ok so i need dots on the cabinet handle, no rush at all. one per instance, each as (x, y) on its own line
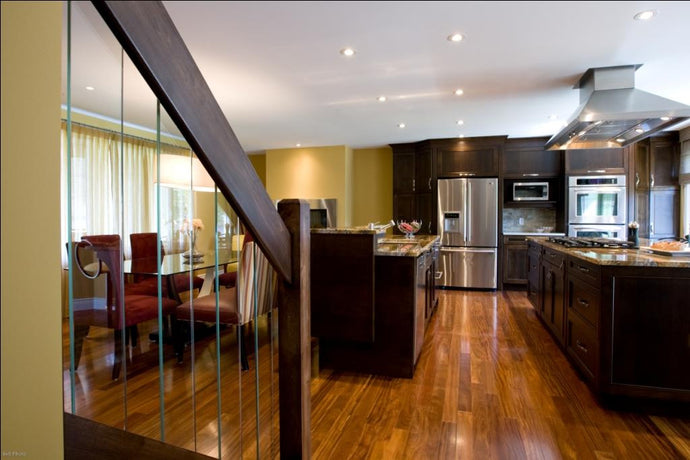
(531, 175)
(583, 269)
(584, 303)
(413, 185)
(599, 171)
(651, 228)
(463, 173)
(581, 346)
(562, 265)
(430, 184)
(651, 180)
(637, 179)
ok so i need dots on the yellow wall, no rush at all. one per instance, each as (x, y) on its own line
(259, 163)
(30, 237)
(373, 186)
(318, 172)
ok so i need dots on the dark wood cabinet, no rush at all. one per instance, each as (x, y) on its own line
(596, 161)
(526, 158)
(534, 274)
(479, 162)
(655, 192)
(552, 292)
(414, 185)
(515, 260)
(403, 169)
(626, 327)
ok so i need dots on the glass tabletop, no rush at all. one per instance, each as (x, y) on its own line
(173, 264)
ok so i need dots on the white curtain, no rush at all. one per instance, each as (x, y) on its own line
(113, 193)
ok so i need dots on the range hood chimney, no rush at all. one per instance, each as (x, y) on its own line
(613, 114)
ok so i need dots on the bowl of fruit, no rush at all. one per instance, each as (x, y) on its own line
(409, 228)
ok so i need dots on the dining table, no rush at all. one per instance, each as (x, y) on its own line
(176, 264)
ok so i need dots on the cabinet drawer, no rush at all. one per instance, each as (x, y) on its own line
(584, 299)
(554, 257)
(587, 272)
(516, 240)
(582, 344)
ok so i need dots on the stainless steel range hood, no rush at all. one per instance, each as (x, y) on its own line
(613, 113)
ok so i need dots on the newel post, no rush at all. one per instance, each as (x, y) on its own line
(294, 330)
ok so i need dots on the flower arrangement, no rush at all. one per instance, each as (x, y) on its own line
(192, 230)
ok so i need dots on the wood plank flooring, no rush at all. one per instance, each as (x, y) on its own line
(490, 383)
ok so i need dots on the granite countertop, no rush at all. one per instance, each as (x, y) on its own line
(619, 257)
(349, 231)
(401, 246)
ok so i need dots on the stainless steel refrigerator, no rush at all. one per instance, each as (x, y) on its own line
(468, 221)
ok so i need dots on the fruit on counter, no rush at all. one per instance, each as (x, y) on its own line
(410, 227)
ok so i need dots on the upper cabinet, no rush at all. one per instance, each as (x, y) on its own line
(477, 156)
(526, 158)
(596, 161)
(403, 168)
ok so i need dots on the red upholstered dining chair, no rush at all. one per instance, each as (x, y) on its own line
(255, 289)
(122, 309)
(144, 246)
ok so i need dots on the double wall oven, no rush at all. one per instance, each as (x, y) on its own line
(597, 206)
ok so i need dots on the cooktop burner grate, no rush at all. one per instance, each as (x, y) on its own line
(579, 242)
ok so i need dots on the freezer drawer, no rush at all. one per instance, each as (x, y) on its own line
(468, 267)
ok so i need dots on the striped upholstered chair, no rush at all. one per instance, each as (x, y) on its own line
(255, 289)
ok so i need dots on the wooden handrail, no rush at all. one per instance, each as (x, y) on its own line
(151, 40)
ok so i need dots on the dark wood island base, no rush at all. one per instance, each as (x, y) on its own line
(622, 317)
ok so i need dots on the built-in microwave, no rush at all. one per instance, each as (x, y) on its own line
(530, 191)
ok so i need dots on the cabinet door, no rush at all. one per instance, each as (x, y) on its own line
(423, 171)
(533, 274)
(553, 289)
(525, 158)
(426, 211)
(404, 207)
(403, 172)
(515, 262)
(478, 162)
(596, 161)
(664, 163)
(641, 166)
(664, 208)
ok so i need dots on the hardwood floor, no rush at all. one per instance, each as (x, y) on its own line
(490, 383)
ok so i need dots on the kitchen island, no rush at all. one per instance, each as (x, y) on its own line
(372, 296)
(622, 316)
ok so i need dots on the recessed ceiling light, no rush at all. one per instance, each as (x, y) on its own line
(665, 118)
(381, 98)
(645, 15)
(347, 52)
(553, 117)
(401, 125)
(456, 38)
(639, 130)
(460, 122)
(459, 92)
(298, 145)
(461, 136)
(89, 88)
(620, 139)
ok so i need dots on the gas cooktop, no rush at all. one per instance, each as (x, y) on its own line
(580, 242)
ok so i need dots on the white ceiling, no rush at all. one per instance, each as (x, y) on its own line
(276, 70)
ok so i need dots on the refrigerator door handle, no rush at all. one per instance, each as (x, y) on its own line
(455, 249)
(468, 206)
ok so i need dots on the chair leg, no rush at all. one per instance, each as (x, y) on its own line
(79, 333)
(117, 361)
(178, 335)
(243, 349)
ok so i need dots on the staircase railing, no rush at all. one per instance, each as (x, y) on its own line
(148, 35)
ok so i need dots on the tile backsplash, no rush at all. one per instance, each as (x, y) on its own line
(528, 219)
